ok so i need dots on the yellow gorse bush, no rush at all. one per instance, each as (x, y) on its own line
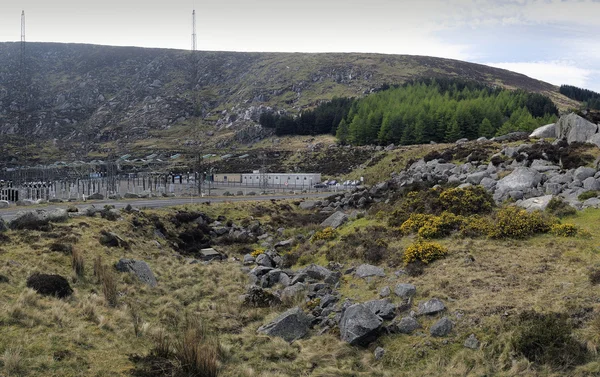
(257, 252)
(326, 234)
(423, 251)
(564, 230)
(513, 222)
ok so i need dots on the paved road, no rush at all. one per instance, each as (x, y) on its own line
(9, 213)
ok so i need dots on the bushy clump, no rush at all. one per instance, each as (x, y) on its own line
(546, 339)
(425, 201)
(425, 252)
(594, 276)
(475, 226)
(467, 201)
(588, 195)
(559, 208)
(326, 234)
(257, 252)
(368, 244)
(430, 226)
(513, 222)
(564, 230)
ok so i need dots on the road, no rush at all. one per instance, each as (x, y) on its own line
(9, 213)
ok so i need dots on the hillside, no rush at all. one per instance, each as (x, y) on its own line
(118, 99)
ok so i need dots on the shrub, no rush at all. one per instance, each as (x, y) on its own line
(587, 195)
(467, 201)
(414, 202)
(559, 208)
(376, 252)
(564, 230)
(425, 252)
(429, 226)
(513, 222)
(326, 234)
(108, 281)
(257, 252)
(197, 350)
(546, 339)
(49, 285)
(475, 226)
(415, 222)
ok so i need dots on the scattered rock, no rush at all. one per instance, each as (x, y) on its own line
(384, 292)
(405, 290)
(210, 254)
(366, 270)
(544, 132)
(405, 326)
(293, 291)
(441, 327)
(112, 240)
(383, 308)
(291, 325)
(50, 285)
(39, 219)
(379, 353)
(96, 196)
(139, 268)
(536, 204)
(359, 325)
(335, 220)
(432, 306)
(472, 342)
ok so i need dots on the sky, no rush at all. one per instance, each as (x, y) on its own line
(557, 41)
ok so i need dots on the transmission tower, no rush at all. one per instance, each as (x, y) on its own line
(194, 40)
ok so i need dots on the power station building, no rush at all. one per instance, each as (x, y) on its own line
(292, 180)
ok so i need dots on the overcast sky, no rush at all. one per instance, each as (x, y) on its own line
(553, 40)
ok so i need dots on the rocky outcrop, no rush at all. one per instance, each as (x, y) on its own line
(574, 128)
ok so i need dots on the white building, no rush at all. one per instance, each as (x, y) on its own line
(292, 180)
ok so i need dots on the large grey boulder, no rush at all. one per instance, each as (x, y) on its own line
(591, 183)
(291, 325)
(521, 179)
(139, 268)
(293, 292)
(4, 204)
(308, 204)
(34, 220)
(432, 306)
(582, 173)
(367, 270)
(544, 132)
(317, 272)
(405, 291)
(383, 308)
(536, 204)
(335, 220)
(574, 128)
(477, 177)
(594, 139)
(441, 327)
(359, 325)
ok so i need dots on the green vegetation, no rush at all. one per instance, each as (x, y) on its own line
(444, 110)
(589, 98)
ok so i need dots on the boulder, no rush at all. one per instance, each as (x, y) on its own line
(260, 298)
(477, 177)
(3, 226)
(432, 306)
(405, 290)
(4, 204)
(521, 179)
(574, 128)
(139, 268)
(359, 325)
(96, 196)
(582, 173)
(405, 326)
(385, 292)
(594, 139)
(264, 260)
(366, 270)
(544, 132)
(536, 204)
(335, 220)
(383, 308)
(39, 219)
(130, 195)
(210, 254)
(111, 239)
(291, 325)
(543, 166)
(293, 291)
(441, 327)
(49, 285)
(317, 272)
(379, 353)
(591, 183)
(249, 259)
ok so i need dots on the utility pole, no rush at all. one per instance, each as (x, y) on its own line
(23, 90)
(194, 40)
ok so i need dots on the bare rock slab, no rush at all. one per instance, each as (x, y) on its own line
(335, 220)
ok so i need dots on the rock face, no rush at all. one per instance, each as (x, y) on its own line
(50, 285)
(291, 325)
(574, 128)
(335, 220)
(543, 132)
(358, 325)
(139, 268)
(441, 327)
